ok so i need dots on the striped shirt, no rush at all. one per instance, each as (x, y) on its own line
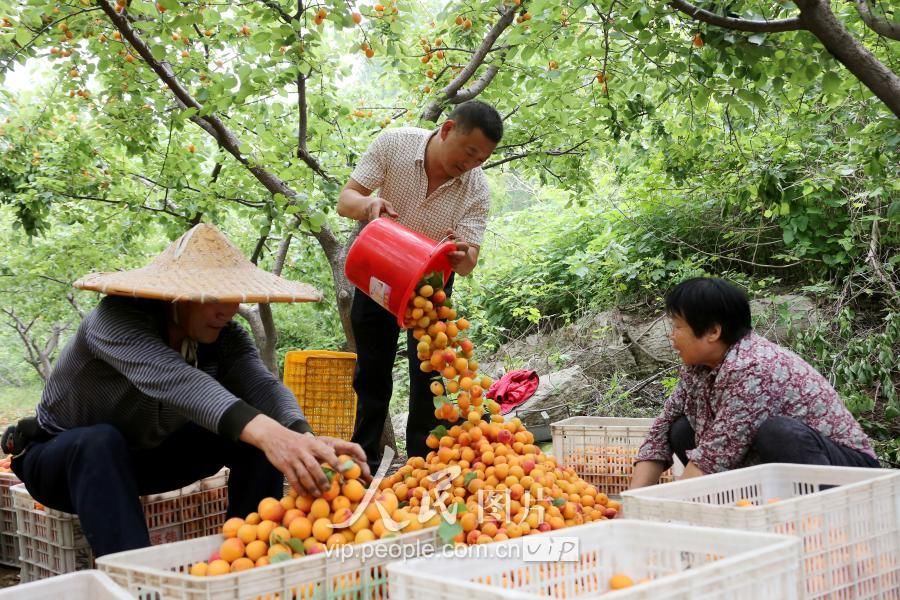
(395, 165)
(118, 369)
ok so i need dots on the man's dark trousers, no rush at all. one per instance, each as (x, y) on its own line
(92, 472)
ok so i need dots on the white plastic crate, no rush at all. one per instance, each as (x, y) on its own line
(9, 539)
(162, 571)
(195, 510)
(49, 539)
(850, 534)
(51, 542)
(666, 562)
(602, 450)
(83, 585)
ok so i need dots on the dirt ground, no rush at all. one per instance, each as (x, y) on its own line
(8, 576)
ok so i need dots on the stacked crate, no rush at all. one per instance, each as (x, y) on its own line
(51, 542)
(602, 450)
(848, 519)
(9, 539)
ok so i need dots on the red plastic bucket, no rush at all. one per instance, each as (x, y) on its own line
(387, 260)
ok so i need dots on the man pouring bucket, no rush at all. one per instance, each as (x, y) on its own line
(431, 182)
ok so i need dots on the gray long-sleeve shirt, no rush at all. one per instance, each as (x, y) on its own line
(118, 369)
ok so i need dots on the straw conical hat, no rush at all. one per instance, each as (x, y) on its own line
(203, 266)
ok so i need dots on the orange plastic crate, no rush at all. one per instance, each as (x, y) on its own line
(322, 382)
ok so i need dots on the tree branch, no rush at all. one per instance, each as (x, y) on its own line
(214, 176)
(283, 248)
(49, 25)
(277, 10)
(107, 201)
(507, 159)
(821, 22)
(699, 14)
(449, 93)
(880, 26)
(817, 18)
(261, 244)
(210, 123)
(873, 260)
(476, 88)
(303, 129)
(71, 298)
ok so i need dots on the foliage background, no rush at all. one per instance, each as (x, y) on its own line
(634, 157)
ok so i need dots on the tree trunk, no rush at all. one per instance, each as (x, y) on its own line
(344, 291)
(39, 356)
(262, 325)
(388, 438)
(336, 253)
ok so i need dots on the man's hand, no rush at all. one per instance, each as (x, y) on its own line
(379, 207)
(464, 258)
(354, 451)
(356, 202)
(298, 455)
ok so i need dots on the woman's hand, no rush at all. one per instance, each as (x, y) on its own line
(352, 450)
(298, 455)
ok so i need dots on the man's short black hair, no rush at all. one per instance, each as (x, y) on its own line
(475, 113)
(706, 301)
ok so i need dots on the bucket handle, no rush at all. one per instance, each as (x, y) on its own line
(441, 241)
(438, 245)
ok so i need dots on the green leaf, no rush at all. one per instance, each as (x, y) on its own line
(469, 477)
(439, 431)
(447, 531)
(23, 36)
(329, 472)
(831, 82)
(187, 113)
(559, 501)
(435, 279)
(296, 545)
(893, 213)
(279, 558)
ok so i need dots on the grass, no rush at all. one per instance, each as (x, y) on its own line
(18, 402)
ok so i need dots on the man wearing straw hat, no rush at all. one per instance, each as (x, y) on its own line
(431, 182)
(159, 388)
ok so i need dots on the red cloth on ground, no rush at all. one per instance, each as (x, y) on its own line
(514, 388)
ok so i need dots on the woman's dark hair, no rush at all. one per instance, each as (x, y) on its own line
(477, 114)
(706, 301)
